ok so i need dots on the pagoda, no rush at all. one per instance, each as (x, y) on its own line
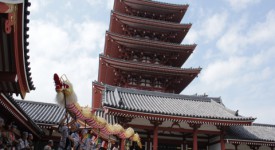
(140, 80)
(143, 50)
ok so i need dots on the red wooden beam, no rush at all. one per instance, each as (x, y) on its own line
(173, 129)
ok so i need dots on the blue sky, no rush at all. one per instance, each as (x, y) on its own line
(236, 49)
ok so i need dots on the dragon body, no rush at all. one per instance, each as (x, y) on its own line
(65, 96)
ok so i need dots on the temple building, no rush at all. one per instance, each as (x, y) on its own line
(15, 75)
(140, 80)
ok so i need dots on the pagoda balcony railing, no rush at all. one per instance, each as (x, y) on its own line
(144, 81)
(144, 56)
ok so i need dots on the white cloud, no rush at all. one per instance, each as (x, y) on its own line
(36, 5)
(240, 36)
(90, 36)
(263, 32)
(108, 4)
(56, 49)
(214, 25)
(241, 4)
(221, 74)
(210, 28)
(48, 40)
(233, 41)
(191, 37)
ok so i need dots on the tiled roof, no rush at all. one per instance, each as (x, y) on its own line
(48, 113)
(17, 106)
(168, 104)
(256, 132)
(109, 118)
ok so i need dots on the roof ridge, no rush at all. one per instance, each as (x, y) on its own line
(264, 125)
(35, 102)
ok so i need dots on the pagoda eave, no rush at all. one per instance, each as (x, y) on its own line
(155, 44)
(116, 45)
(116, 72)
(122, 24)
(150, 67)
(178, 11)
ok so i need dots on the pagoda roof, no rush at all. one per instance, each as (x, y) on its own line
(256, 134)
(157, 7)
(15, 75)
(141, 44)
(148, 67)
(152, 43)
(184, 76)
(152, 25)
(167, 106)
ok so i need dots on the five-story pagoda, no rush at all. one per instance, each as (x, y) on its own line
(143, 50)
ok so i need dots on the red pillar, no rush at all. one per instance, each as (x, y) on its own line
(156, 137)
(195, 139)
(195, 134)
(272, 147)
(222, 141)
(122, 144)
(236, 146)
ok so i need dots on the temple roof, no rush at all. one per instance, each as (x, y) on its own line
(256, 132)
(45, 113)
(169, 104)
(14, 69)
(10, 107)
(52, 114)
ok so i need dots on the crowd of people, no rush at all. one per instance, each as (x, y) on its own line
(72, 137)
(8, 140)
